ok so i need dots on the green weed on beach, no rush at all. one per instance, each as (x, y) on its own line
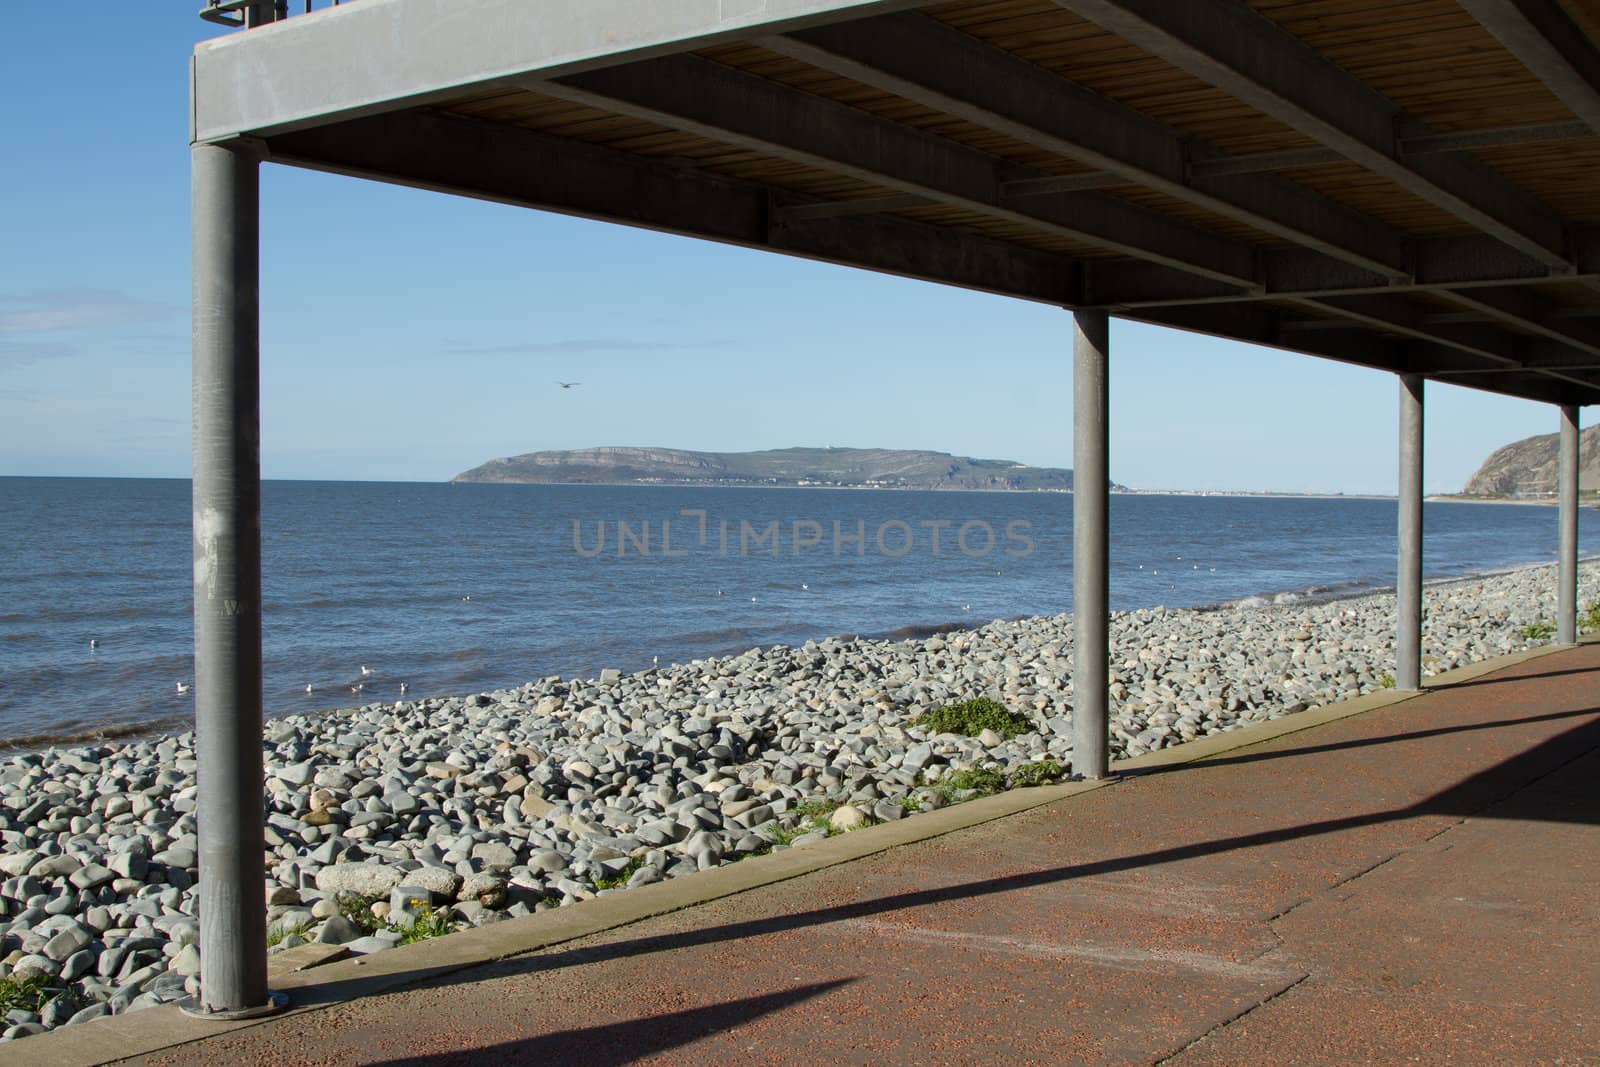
(358, 909)
(980, 781)
(25, 994)
(429, 923)
(277, 932)
(1043, 772)
(620, 879)
(971, 717)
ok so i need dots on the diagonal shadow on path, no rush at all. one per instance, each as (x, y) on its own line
(616, 1044)
(1475, 795)
(1502, 678)
(1249, 756)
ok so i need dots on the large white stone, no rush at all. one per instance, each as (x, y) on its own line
(366, 879)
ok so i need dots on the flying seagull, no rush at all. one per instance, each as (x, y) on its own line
(568, 385)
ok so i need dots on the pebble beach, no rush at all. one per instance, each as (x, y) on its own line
(390, 821)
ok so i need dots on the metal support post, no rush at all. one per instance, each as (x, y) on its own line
(1091, 479)
(1408, 586)
(1567, 599)
(227, 582)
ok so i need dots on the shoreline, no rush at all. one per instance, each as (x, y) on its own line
(528, 798)
(1265, 600)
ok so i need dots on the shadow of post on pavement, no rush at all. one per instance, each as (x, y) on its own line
(1471, 796)
(616, 1044)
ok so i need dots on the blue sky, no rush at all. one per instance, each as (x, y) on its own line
(409, 336)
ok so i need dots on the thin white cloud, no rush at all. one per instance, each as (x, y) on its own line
(77, 309)
(21, 353)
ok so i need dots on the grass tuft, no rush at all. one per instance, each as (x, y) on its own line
(1537, 631)
(983, 781)
(816, 810)
(278, 931)
(620, 879)
(27, 994)
(971, 717)
(358, 909)
(785, 835)
(429, 923)
(1041, 773)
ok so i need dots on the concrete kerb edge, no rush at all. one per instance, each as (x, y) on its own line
(155, 1029)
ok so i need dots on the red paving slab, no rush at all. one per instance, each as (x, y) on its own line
(1412, 885)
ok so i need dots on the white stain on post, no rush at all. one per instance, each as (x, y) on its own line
(210, 524)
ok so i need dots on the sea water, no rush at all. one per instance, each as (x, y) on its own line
(463, 588)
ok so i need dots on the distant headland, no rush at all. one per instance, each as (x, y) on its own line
(824, 468)
(1525, 471)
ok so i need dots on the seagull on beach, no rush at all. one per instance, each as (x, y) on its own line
(183, 687)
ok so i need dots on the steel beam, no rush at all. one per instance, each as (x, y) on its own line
(732, 107)
(227, 581)
(1458, 262)
(1396, 313)
(1223, 166)
(922, 60)
(1485, 340)
(1091, 541)
(384, 55)
(447, 153)
(1493, 137)
(1419, 145)
(1567, 487)
(867, 205)
(1408, 585)
(1362, 346)
(1553, 48)
(1227, 45)
(1525, 311)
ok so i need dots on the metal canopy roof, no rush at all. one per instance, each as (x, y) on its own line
(1411, 185)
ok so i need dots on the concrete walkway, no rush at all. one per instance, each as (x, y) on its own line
(1419, 883)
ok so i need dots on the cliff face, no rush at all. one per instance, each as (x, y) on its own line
(1527, 468)
(848, 467)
